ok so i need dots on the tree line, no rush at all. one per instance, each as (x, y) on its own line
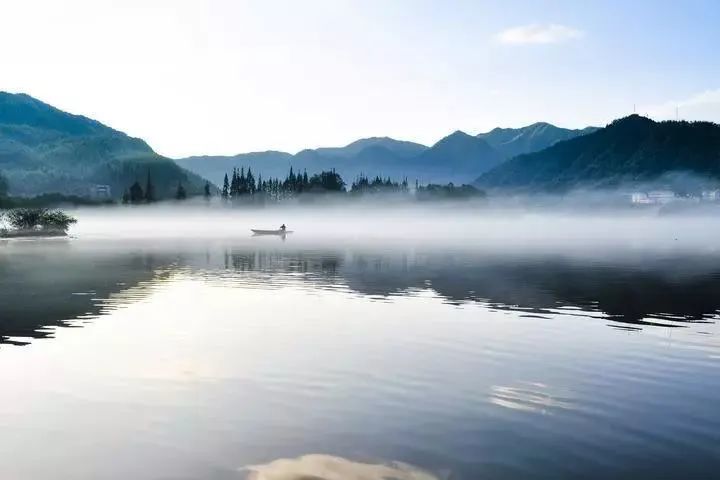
(135, 194)
(3, 185)
(241, 183)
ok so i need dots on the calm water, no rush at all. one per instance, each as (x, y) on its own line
(216, 359)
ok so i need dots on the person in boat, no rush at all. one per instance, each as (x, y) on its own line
(283, 227)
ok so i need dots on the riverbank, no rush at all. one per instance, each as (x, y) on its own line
(32, 233)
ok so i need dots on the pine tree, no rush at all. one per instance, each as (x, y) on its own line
(225, 188)
(3, 185)
(180, 194)
(251, 187)
(126, 197)
(241, 182)
(136, 193)
(290, 182)
(206, 191)
(149, 190)
(234, 184)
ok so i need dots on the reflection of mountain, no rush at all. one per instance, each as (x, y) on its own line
(630, 293)
(52, 284)
(647, 292)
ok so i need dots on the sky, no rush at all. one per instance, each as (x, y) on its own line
(232, 76)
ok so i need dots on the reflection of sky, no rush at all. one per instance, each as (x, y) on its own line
(529, 396)
(327, 467)
(202, 369)
(48, 284)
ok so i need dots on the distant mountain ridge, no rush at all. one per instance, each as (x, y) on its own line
(400, 148)
(630, 150)
(458, 158)
(532, 138)
(44, 149)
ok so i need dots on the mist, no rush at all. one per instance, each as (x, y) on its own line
(512, 224)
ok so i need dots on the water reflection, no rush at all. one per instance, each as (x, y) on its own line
(212, 355)
(43, 286)
(327, 467)
(529, 397)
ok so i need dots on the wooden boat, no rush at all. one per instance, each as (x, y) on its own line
(270, 232)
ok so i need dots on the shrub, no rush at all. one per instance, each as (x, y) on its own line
(25, 218)
(39, 218)
(56, 220)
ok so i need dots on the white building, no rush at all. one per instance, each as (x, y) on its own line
(711, 195)
(100, 191)
(653, 197)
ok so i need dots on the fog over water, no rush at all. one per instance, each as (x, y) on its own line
(456, 341)
(464, 225)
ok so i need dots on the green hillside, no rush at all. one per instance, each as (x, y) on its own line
(630, 150)
(43, 149)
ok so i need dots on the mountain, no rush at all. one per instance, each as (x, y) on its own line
(533, 138)
(399, 148)
(214, 168)
(630, 150)
(376, 155)
(43, 149)
(457, 158)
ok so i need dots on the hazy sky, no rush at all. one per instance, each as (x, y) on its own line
(228, 76)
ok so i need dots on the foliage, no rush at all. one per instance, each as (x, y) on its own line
(448, 192)
(50, 200)
(327, 182)
(243, 185)
(149, 189)
(47, 150)
(3, 185)
(27, 219)
(180, 194)
(634, 149)
(136, 194)
(226, 188)
(363, 185)
(56, 220)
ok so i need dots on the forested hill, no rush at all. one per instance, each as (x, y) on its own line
(630, 150)
(43, 149)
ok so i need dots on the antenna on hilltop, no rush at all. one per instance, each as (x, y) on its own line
(634, 109)
(677, 113)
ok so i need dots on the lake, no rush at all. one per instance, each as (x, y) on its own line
(165, 355)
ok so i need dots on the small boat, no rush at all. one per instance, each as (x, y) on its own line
(270, 232)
